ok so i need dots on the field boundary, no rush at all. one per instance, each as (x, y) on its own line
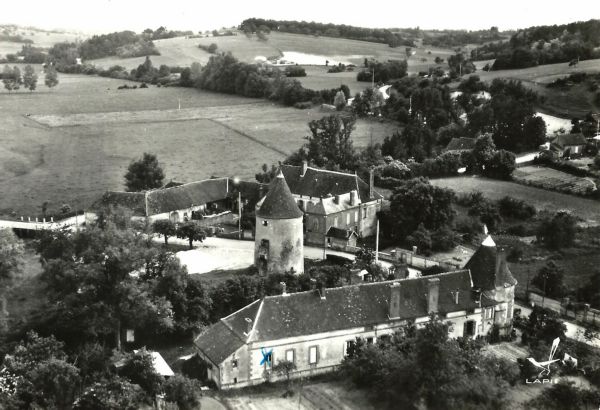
(250, 137)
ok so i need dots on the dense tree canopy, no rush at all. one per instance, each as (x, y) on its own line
(143, 174)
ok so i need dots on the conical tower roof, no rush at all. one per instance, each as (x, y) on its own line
(488, 267)
(279, 202)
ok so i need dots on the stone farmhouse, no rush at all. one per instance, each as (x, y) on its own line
(333, 199)
(567, 145)
(314, 329)
(209, 198)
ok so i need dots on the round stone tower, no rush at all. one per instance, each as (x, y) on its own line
(279, 231)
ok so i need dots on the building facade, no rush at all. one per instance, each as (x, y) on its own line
(314, 329)
(333, 199)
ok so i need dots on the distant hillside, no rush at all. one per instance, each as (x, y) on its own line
(393, 38)
(544, 45)
(458, 38)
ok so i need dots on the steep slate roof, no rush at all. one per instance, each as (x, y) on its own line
(318, 183)
(306, 313)
(226, 336)
(135, 201)
(565, 140)
(489, 268)
(187, 195)
(461, 144)
(279, 202)
(339, 233)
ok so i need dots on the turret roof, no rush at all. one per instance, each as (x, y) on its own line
(279, 202)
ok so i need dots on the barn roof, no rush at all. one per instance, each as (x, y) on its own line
(187, 195)
(566, 140)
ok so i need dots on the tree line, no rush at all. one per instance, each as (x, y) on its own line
(13, 79)
(544, 45)
(385, 36)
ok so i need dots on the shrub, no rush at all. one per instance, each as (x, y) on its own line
(303, 105)
(181, 390)
(515, 208)
(195, 368)
(558, 231)
(295, 71)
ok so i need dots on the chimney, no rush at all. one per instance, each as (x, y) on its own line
(433, 293)
(337, 199)
(283, 288)
(394, 300)
(371, 183)
(353, 197)
(248, 325)
(304, 167)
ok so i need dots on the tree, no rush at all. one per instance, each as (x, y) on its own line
(11, 78)
(144, 174)
(30, 78)
(421, 238)
(267, 175)
(543, 325)
(51, 77)
(181, 390)
(416, 202)
(330, 143)
(285, 368)
(191, 231)
(11, 260)
(139, 369)
(340, 100)
(212, 48)
(44, 377)
(558, 231)
(165, 228)
(94, 279)
(549, 279)
(114, 393)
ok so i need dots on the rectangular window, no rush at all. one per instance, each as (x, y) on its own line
(265, 223)
(369, 340)
(234, 363)
(355, 216)
(312, 355)
(349, 348)
(335, 221)
(347, 219)
(290, 356)
(365, 213)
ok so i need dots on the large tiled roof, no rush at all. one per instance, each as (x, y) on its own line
(279, 203)
(565, 140)
(489, 268)
(187, 195)
(229, 334)
(319, 183)
(306, 313)
(134, 201)
(461, 144)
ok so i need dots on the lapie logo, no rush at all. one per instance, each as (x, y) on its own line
(544, 366)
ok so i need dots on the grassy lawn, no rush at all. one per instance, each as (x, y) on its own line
(586, 209)
(71, 143)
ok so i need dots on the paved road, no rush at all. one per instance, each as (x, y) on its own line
(220, 253)
(574, 331)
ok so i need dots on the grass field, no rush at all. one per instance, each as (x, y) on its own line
(548, 178)
(71, 143)
(586, 209)
(575, 101)
(40, 39)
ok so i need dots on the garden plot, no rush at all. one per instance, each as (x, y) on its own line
(554, 180)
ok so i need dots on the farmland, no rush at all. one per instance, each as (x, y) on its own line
(548, 178)
(575, 101)
(71, 143)
(586, 209)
